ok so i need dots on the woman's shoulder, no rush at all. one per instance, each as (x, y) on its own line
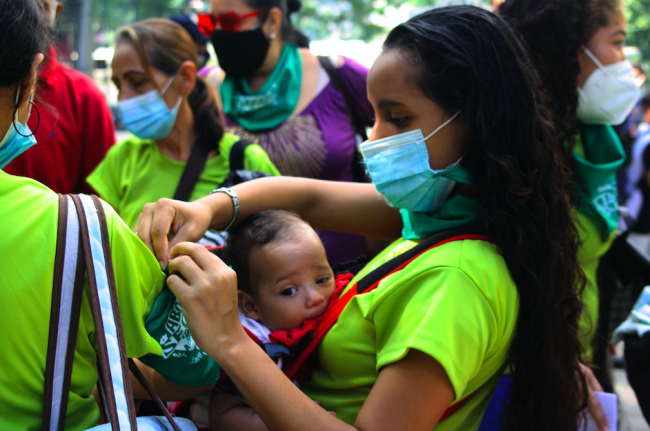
(25, 195)
(129, 147)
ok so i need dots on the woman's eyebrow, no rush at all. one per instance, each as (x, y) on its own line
(386, 102)
(131, 72)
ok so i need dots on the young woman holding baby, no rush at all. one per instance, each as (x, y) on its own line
(461, 138)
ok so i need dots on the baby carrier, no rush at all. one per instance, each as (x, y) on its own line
(297, 347)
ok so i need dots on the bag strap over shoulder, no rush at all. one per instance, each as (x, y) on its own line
(237, 155)
(193, 169)
(337, 81)
(358, 124)
(83, 247)
(69, 269)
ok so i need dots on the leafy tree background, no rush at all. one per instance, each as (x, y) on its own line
(638, 13)
(318, 19)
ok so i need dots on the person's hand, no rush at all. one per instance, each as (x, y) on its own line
(167, 222)
(208, 296)
(595, 410)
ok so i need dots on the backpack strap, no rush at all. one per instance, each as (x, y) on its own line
(358, 124)
(193, 169)
(337, 82)
(237, 155)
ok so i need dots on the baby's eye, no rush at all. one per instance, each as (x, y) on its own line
(323, 280)
(289, 291)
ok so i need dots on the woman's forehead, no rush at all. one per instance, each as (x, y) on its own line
(392, 73)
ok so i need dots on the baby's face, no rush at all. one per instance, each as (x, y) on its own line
(295, 280)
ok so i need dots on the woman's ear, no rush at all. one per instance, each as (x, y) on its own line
(248, 305)
(187, 72)
(273, 23)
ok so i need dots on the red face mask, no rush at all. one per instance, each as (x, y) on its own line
(228, 21)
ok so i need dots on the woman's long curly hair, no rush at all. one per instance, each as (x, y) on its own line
(469, 60)
(554, 32)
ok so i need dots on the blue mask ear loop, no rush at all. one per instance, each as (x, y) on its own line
(16, 114)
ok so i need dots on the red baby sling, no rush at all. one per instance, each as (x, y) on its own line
(299, 367)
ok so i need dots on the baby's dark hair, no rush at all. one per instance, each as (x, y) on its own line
(256, 231)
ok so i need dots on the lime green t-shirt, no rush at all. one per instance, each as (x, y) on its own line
(29, 217)
(135, 172)
(456, 302)
(592, 248)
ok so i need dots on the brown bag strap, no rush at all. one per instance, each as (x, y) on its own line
(65, 313)
(83, 246)
(145, 384)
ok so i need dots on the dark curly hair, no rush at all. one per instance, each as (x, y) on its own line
(468, 59)
(554, 32)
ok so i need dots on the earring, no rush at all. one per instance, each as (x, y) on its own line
(37, 125)
(272, 36)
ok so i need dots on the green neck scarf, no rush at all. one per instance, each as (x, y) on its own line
(599, 154)
(276, 100)
(457, 211)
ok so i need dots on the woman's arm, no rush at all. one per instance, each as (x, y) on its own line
(230, 414)
(328, 205)
(412, 393)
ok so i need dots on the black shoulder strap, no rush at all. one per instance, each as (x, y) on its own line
(379, 273)
(337, 81)
(193, 170)
(237, 155)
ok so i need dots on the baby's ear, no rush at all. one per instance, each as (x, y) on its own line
(248, 305)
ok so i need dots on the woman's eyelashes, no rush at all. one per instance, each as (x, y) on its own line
(137, 84)
(323, 280)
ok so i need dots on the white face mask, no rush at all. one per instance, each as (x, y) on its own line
(610, 93)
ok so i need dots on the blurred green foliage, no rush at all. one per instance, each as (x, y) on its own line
(638, 14)
(322, 19)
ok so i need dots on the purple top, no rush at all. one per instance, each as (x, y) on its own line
(320, 143)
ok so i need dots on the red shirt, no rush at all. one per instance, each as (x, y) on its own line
(75, 133)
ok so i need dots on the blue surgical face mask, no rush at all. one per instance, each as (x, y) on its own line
(399, 168)
(147, 116)
(17, 139)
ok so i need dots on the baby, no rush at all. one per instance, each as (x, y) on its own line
(283, 279)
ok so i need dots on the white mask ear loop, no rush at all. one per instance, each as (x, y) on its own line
(592, 56)
(180, 99)
(167, 85)
(442, 125)
(15, 116)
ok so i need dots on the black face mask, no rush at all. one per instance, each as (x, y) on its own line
(240, 53)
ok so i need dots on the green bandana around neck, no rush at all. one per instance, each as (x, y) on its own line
(599, 154)
(456, 212)
(274, 103)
